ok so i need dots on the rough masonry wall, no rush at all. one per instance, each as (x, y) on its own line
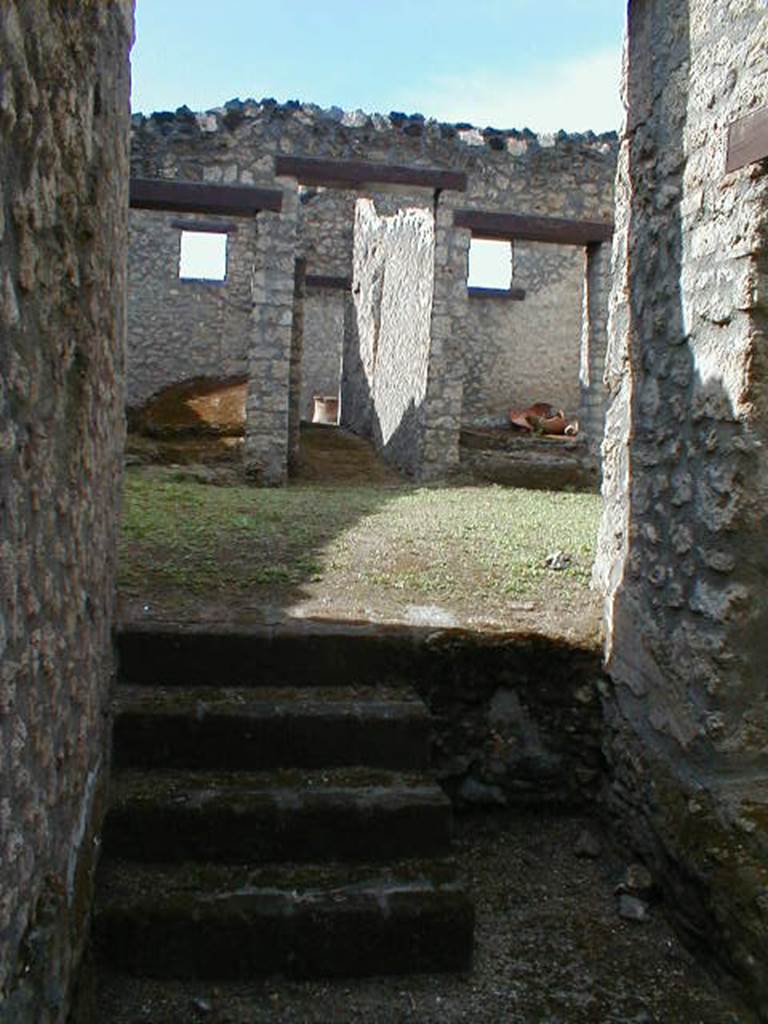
(517, 353)
(386, 361)
(181, 329)
(63, 225)
(513, 171)
(684, 540)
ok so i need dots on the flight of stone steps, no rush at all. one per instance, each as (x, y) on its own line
(272, 811)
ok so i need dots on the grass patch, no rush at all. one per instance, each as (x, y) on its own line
(460, 547)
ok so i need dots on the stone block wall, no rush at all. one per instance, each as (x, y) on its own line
(684, 539)
(387, 357)
(63, 233)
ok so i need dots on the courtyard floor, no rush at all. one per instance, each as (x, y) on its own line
(350, 540)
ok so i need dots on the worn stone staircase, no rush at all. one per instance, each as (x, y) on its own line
(259, 824)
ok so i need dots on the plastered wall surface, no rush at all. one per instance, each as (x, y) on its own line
(502, 353)
(386, 366)
(683, 541)
(63, 226)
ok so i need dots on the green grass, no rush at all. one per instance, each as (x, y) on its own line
(460, 546)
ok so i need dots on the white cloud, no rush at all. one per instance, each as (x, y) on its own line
(576, 95)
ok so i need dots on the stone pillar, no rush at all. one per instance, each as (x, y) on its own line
(64, 106)
(387, 350)
(594, 342)
(684, 540)
(445, 381)
(297, 354)
(269, 359)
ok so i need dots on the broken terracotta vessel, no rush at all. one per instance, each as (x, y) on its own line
(541, 418)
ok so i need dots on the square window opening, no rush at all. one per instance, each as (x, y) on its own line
(490, 264)
(203, 256)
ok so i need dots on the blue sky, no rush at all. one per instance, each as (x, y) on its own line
(508, 63)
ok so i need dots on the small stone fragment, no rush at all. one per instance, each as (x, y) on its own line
(558, 561)
(475, 792)
(632, 909)
(587, 845)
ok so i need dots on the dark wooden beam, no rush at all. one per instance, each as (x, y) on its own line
(525, 227)
(747, 140)
(510, 294)
(328, 281)
(354, 173)
(195, 197)
(214, 227)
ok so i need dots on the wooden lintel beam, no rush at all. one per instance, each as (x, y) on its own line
(529, 228)
(214, 227)
(508, 294)
(328, 281)
(356, 173)
(196, 197)
(747, 140)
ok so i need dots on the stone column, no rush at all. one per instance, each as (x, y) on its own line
(594, 342)
(269, 359)
(445, 380)
(297, 357)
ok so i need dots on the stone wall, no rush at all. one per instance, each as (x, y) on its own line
(517, 353)
(386, 357)
(180, 329)
(684, 540)
(508, 349)
(63, 226)
(323, 342)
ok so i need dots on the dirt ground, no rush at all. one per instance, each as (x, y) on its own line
(551, 948)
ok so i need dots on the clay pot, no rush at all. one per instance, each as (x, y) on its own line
(326, 409)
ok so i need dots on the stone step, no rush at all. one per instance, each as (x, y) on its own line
(252, 817)
(208, 921)
(260, 728)
(296, 654)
